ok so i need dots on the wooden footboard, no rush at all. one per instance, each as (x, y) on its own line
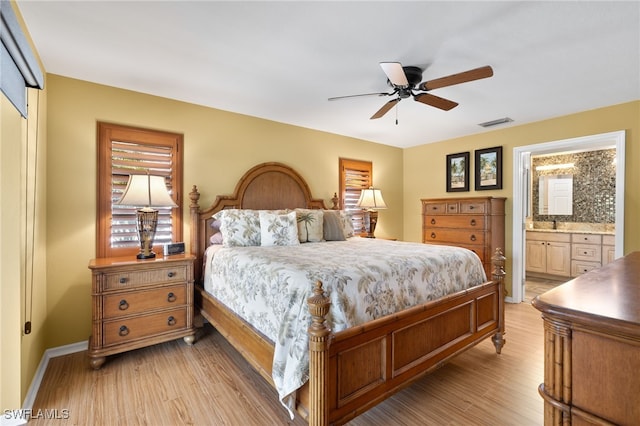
(353, 370)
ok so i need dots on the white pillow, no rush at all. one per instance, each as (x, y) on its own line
(278, 229)
(239, 228)
(309, 225)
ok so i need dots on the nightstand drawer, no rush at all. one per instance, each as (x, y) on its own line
(136, 278)
(116, 332)
(122, 304)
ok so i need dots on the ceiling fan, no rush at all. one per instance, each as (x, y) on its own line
(405, 82)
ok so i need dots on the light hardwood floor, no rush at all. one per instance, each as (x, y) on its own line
(210, 384)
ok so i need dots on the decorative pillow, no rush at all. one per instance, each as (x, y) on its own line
(278, 229)
(332, 227)
(309, 225)
(347, 223)
(216, 238)
(239, 227)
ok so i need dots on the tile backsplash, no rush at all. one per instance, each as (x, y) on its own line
(594, 186)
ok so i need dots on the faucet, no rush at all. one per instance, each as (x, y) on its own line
(555, 224)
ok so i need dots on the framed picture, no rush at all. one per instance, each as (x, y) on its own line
(488, 168)
(458, 172)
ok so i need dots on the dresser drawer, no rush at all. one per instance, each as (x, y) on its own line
(455, 237)
(469, 222)
(140, 278)
(119, 331)
(473, 207)
(434, 208)
(128, 303)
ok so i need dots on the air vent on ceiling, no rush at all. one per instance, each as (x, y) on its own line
(496, 122)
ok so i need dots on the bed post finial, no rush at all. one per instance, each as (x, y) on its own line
(335, 200)
(498, 274)
(319, 340)
(194, 195)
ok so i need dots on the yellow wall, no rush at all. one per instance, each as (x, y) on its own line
(10, 243)
(219, 147)
(425, 166)
(22, 226)
(23, 285)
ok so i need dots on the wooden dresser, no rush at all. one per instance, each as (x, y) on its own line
(475, 223)
(138, 303)
(592, 347)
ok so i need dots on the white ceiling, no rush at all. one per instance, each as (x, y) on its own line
(282, 60)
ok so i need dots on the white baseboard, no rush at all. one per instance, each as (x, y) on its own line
(42, 367)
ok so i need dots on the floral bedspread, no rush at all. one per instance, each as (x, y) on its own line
(364, 278)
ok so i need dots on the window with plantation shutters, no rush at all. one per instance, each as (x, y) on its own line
(123, 151)
(355, 175)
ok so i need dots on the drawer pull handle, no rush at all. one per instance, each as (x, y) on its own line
(123, 280)
(433, 235)
(433, 221)
(585, 252)
(434, 208)
(471, 207)
(123, 305)
(171, 297)
(171, 320)
(452, 207)
(473, 222)
(473, 237)
(171, 274)
(123, 330)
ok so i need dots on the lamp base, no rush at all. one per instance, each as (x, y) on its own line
(373, 221)
(141, 255)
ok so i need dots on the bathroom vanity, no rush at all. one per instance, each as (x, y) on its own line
(566, 253)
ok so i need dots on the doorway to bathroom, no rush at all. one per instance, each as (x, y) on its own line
(523, 203)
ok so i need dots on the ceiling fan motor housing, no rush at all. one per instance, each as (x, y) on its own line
(414, 77)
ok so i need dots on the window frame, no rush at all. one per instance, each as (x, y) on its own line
(349, 193)
(107, 134)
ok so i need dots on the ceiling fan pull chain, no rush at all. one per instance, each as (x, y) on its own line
(397, 114)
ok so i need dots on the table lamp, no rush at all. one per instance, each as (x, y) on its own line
(371, 200)
(146, 192)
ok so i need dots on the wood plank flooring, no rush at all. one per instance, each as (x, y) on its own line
(210, 384)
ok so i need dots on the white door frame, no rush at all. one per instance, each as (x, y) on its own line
(521, 202)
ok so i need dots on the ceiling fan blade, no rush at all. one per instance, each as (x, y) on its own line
(435, 101)
(385, 108)
(363, 94)
(463, 77)
(395, 73)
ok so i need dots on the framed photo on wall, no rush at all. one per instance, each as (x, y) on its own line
(458, 172)
(488, 168)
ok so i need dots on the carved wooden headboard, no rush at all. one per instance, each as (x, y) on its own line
(267, 186)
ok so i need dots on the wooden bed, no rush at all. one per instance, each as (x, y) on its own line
(391, 352)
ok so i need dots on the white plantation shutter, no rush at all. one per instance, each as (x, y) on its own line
(355, 175)
(136, 158)
(123, 151)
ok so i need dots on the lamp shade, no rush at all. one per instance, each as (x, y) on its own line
(146, 191)
(371, 199)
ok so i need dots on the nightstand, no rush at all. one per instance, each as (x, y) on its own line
(137, 303)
